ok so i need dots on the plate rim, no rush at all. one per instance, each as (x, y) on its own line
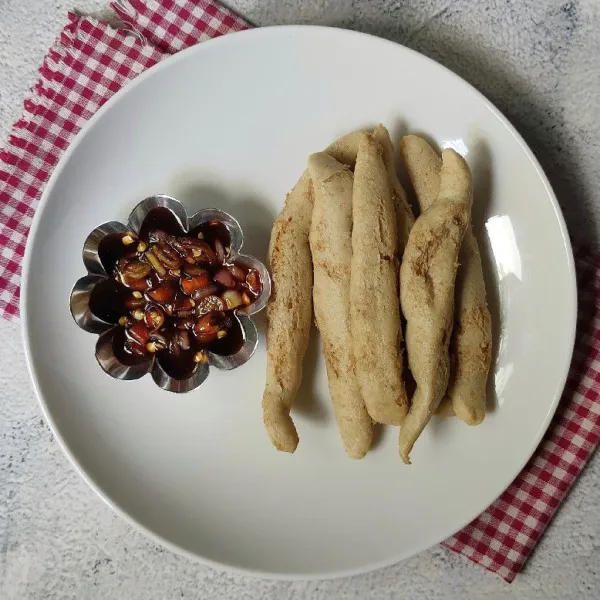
(27, 258)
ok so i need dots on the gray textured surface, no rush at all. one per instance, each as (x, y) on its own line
(538, 61)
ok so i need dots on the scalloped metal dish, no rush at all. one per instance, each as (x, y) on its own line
(88, 321)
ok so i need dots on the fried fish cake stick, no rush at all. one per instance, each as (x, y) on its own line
(289, 313)
(374, 304)
(345, 149)
(331, 247)
(423, 165)
(471, 340)
(427, 281)
(404, 214)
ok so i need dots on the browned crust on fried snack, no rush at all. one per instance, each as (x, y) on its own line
(427, 281)
(289, 313)
(331, 247)
(374, 303)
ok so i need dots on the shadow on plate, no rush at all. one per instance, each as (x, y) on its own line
(250, 211)
(308, 403)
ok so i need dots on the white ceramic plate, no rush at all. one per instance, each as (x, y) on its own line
(230, 123)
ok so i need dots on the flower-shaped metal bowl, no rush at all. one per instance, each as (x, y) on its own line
(102, 320)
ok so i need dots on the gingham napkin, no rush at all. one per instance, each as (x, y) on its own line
(90, 61)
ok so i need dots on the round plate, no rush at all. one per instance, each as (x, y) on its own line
(229, 123)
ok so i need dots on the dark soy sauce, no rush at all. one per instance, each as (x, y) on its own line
(232, 343)
(112, 249)
(108, 299)
(160, 219)
(121, 352)
(212, 231)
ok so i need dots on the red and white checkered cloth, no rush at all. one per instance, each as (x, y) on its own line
(90, 61)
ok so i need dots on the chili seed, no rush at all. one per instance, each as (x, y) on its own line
(154, 347)
(200, 357)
